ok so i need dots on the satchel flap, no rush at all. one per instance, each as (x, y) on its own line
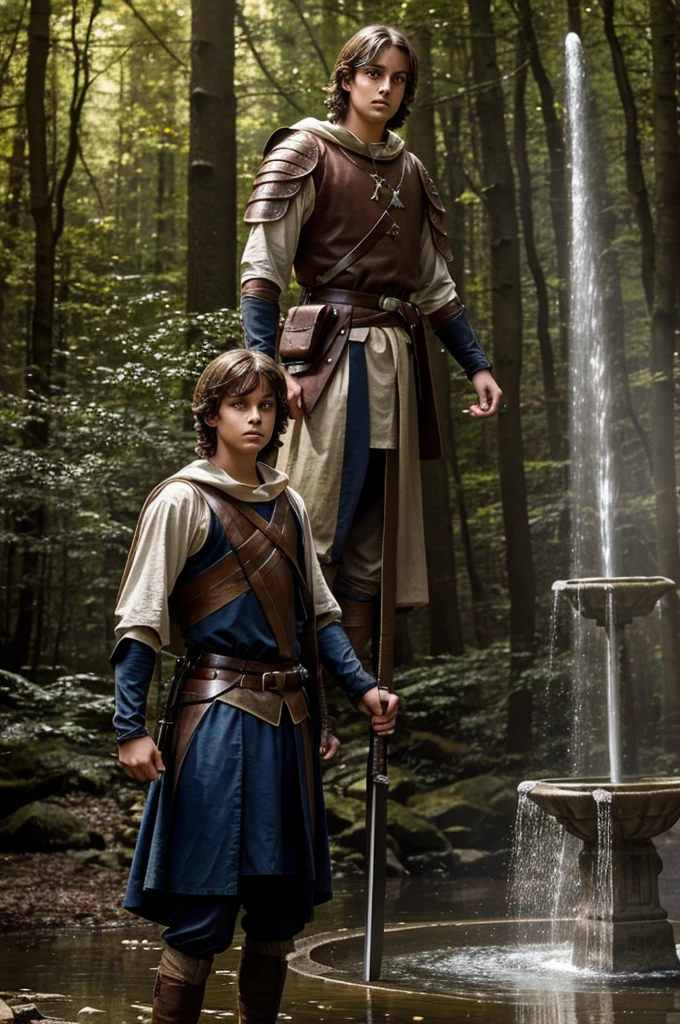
(302, 330)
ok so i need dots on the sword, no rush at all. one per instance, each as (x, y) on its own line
(377, 786)
(377, 782)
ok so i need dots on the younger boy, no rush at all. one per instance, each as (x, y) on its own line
(224, 548)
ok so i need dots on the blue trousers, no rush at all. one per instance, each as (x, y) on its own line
(276, 907)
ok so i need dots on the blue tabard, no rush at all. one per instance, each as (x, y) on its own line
(242, 804)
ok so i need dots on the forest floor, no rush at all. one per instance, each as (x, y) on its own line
(47, 891)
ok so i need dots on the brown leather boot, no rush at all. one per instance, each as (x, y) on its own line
(176, 1002)
(180, 988)
(357, 622)
(261, 977)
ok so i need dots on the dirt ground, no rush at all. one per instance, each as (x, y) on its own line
(57, 890)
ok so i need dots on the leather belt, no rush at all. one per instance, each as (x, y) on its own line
(369, 300)
(214, 672)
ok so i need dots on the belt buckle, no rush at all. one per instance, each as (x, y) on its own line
(388, 303)
(275, 680)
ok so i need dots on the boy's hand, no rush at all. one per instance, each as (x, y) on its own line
(370, 704)
(141, 759)
(330, 746)
(294, 396)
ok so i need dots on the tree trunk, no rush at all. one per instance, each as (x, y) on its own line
(211, 241)
(559, 206)
(456, 223)
(574, 15)
(664, 324)
(635, 175)
(29, 521)
(552, 404)
(506, 312)
(446, 633)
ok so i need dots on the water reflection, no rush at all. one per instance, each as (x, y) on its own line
(113, 972)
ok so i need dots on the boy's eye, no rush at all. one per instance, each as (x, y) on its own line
(238, 403)
(266, 405)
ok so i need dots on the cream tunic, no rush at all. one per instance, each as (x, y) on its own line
(312, 453)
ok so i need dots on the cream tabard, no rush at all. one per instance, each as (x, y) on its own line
(312, 453)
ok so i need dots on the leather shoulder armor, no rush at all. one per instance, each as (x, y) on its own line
(289, 158)
(435, 211)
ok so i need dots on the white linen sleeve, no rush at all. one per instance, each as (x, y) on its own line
(435, 287)
(270, 249)
(175, 526)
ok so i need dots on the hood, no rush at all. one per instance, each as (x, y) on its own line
(202, 471)
(390, 147)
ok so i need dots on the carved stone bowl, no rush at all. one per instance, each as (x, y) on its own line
(640, 809)
(633, 596)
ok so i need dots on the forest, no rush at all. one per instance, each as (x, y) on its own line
(129, 137)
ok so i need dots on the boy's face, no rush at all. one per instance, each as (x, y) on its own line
(245, 423)
(376, 90)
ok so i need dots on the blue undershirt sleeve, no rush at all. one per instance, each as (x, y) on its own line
(134, 664)
(338, 658)
(459, 338)
(260, 324)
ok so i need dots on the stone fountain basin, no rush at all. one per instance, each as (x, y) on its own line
(641, 809)
(633, 596)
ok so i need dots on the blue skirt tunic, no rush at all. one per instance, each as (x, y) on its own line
(249, 799)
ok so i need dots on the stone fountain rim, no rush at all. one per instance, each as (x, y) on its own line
(642, 787)
(602, 582)
(302, 962)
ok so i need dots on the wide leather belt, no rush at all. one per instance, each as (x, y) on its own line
(216, 672)
(367, 300)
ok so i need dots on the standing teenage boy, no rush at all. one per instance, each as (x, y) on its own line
(359, 219)
(224, 548)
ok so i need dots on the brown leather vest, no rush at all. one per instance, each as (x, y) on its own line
(343, 214)
(263, 558)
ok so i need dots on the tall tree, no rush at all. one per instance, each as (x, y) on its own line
(550, 393)
(554, 136)
(498, 189)
(664, 26)
(635, 175)
(445, 627)
(211, 241)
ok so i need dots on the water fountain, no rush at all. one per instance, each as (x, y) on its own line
(621, 926)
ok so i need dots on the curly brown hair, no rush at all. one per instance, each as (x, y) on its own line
(360, 50)
(237, 372)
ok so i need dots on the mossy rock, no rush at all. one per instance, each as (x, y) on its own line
(402, 787)
(342, 812)
(434, 747)
(413, 832)
(446, 808)
(31, 771)
(45, 828)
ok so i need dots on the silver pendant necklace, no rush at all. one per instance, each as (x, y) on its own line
(382, 185)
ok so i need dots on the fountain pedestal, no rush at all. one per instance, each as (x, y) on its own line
(621, 926)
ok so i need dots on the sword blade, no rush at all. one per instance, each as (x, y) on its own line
(377, 787)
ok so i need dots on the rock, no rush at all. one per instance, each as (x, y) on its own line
(402, 786)
(434, 747)
(33, 770)
(395, 869)
(414, 832)
(486, 863)
(89, 1010)
(46, 828)
(6, 1014)
(484, 806)
(429, 863)
(342, 812)
(27, 1012)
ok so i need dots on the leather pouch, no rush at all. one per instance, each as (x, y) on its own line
(304, 331)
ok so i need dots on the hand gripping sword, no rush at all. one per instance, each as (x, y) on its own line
(377, 782)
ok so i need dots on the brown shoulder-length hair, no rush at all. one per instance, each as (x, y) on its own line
(360, 50)
(237, 372)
